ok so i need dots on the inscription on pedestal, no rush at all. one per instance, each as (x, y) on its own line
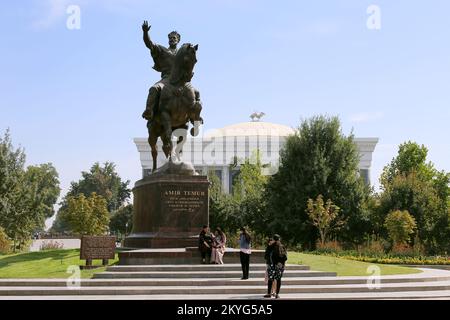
(176, 199)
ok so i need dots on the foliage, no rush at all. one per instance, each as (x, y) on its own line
(400, 225)
(12, 208)
(87, 216)
(409, 260)
(325, 217)
(43, 187)
(328, 246)
(246, 205)
(411, 157)
(105, 182)
(317, 159)
(26, 196)
(343, 266)
(51, 245)
(5, 243)
(410, 183)
(122, 220)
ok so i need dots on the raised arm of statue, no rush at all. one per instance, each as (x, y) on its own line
(148, 43)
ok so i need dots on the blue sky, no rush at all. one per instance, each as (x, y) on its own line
(74, 97)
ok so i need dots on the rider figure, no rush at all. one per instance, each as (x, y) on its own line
(164, 59)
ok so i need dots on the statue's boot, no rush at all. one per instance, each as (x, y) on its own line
(152, 103)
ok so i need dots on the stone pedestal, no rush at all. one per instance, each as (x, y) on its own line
(169, 211)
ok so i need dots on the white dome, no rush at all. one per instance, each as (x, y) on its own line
(252, 128)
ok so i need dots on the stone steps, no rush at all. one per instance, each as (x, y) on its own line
(216, 290)
(223, 282)
(410, 295)
(201, 267)
(204, 274)
(287, 281)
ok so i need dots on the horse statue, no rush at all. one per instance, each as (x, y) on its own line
(179, 103)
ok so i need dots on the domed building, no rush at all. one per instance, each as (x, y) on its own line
(222, 150)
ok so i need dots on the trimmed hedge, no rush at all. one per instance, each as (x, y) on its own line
(390, 259)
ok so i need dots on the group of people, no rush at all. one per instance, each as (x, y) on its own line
(212, 245)
(212, 249)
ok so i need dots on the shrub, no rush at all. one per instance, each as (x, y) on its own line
(51, 245)
(373, 248)
(400, 225)
(5, 243)
(401, 249)
(328, 246)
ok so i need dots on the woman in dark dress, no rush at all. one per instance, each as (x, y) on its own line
(277, 256)
(268, 257)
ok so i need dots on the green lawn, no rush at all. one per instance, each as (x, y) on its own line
(54, 264)
(45, 264)
(344, 267)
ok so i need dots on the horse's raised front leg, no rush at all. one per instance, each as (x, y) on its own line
(194, 116)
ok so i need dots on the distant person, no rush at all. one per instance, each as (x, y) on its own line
(205, 244)
(268, 258)
(218, 246)
(277, 260)
(245, 252)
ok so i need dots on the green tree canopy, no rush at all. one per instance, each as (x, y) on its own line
(317, 159)
(12, 163)
(104, 181)
(87, 215)
(246, 205)
(43, 181)
(411, 183)
(400, 226)
(420, 199)
(27, 196)
(122, 220)
(411, 157)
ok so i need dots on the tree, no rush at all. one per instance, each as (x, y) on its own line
(12, 163)
(420, 199)
(5, 243)
(122, 220)
(317, 159)
(400, 225)
(246, 205)
(411, 157)
(411, 183)
(26, 196)
(223, 208)
(104, 181)
(87, 216)
(325, 217)
(43, 184)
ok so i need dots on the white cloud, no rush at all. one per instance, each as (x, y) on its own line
(366, 117)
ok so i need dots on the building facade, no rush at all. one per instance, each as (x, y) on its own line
(222, 150)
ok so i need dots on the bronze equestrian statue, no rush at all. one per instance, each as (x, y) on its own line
(172, 102)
